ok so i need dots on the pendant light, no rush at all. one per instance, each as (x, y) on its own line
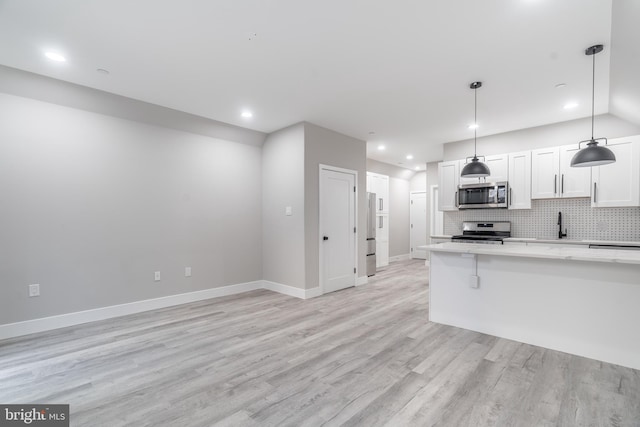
(475, 169)
(593, 154)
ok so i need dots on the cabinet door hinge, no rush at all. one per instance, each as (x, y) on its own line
(354, 270)
(354, 188)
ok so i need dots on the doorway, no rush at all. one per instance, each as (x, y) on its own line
(337, 227)
(418, 220)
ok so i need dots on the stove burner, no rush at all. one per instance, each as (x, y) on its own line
(483, 232)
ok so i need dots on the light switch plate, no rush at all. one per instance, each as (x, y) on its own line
(156, 276)
(288, 211)
(187, 272)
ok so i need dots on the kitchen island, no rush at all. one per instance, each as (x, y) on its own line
(573, 299)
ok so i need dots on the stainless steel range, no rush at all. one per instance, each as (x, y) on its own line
(483, 232)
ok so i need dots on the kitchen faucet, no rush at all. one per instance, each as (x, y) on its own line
(560, 233)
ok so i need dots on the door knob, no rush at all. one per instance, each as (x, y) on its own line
(325, 238)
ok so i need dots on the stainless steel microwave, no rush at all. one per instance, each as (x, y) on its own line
(484, 195)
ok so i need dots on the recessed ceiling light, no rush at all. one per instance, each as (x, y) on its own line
(570, 105)
(473, 126)
(560, 85)
(417, 168)
(409, 156)
(55, 56)
(381, 147)
(247, 114)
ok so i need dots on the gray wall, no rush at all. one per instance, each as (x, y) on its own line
(29, 85)
(570, 132)
(390, 170)
(624, 90)
(431, 179)
(92, 205)
(283, 236)
(324, 146)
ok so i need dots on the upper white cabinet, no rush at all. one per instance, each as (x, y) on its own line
(552, 175)
(519, 180)
(498, 165)
(379, 184)
(574, 182)
(544, 173)
(618, 184)
(448, 179)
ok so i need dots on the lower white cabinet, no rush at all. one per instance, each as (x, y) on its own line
(618, 184)
(382, 240)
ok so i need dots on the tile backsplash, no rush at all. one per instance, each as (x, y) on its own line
(581, 220)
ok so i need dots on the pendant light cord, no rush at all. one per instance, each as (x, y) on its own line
(593, 93)
(475, 122)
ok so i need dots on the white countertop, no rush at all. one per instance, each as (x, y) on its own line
(571, 242)
(549, 251)
(440, 236)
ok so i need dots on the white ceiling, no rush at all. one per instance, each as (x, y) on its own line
(398, 68)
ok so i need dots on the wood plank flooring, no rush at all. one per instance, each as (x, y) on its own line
(363, 356)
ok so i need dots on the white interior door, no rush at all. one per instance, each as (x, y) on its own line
(337, 230)
(437, 216)
(418, 218)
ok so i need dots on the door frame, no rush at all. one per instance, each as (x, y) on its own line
(322, 167)
(411, 193)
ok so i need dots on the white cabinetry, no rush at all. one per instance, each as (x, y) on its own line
(520, 180)
(552, 175)
(382, 240)
(574, 182)
(618, 184)
(498, 166)
(379, 184)
(448, 179)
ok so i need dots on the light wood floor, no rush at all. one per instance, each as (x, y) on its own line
(366, 356)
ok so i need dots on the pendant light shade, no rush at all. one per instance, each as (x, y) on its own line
(475, 169)
(593, 154)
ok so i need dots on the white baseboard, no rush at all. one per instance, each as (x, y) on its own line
(362, 281)
(11, 330)
(402, 257)
(290, 290)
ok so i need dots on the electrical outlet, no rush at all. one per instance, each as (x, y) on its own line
(474, 282)
(156, 276)
(187, 272)
(34, 290)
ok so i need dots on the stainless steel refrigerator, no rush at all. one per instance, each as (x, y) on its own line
(371, 234)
